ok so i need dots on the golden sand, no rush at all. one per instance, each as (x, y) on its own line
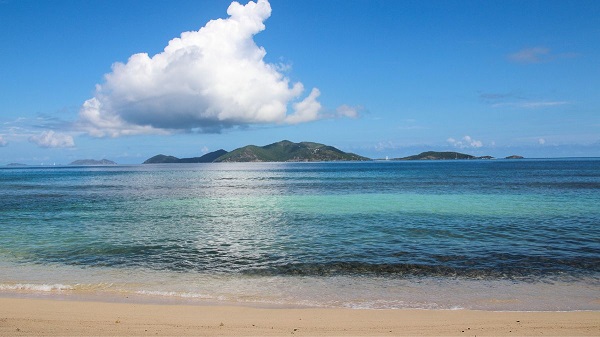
(36, 317)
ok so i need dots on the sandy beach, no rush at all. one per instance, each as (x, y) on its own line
(43, 317)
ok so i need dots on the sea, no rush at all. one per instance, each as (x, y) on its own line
(515, 235)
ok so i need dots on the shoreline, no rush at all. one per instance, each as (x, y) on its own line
(160, 300)
(53, 317)
(298, 293)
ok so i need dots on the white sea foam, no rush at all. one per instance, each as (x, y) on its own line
(173, 294)
(35, 287)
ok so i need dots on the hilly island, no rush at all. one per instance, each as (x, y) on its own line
(283, 151)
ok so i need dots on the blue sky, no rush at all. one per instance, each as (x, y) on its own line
(378, 78)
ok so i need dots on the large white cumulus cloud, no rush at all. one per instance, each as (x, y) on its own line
(205, 80)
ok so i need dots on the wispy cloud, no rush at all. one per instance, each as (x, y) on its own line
(530, 55)
(491, 97)
(510, 99)
(18, 128)
(537, 55)
(44, 131)
(44, 121)
(412, 127)
(543, 104)
(410, 124)
(531, 105)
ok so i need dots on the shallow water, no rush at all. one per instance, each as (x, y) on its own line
(499, 234)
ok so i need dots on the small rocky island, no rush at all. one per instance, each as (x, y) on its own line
(284, 151)
(92, 162)
(435, 155)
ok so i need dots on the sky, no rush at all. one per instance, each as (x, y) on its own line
(126, 80)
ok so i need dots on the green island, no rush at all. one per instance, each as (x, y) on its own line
(207, 158)
(283, 151)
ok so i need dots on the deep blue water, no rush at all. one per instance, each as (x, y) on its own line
(518, 220)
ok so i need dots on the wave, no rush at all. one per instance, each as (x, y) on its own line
(174, 294)
(35, 287)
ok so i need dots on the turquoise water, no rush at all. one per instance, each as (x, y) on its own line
(500, 234)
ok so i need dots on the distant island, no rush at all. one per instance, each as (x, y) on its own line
(88, 162)
(434, 155)
(283, 151)
(16, 164)
(207, 158)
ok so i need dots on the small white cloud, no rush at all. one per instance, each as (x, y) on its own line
(3, 142)
(465, 142)
(541, 141)
(204, 81)
(348, 111)
(530, 55)
(531, 105)
(52, 139)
